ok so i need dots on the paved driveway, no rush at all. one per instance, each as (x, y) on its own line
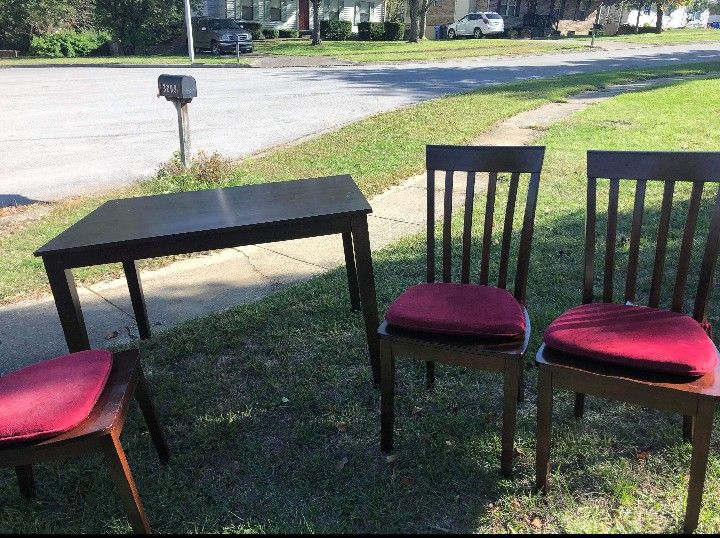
(67, 131)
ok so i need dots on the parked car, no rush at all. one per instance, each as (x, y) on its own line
(220, 35)
(477, 25)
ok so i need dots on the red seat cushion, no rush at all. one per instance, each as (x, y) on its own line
(462, 309)
(51, 397)
(634, 336)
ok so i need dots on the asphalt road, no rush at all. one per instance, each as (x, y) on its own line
(66, 131)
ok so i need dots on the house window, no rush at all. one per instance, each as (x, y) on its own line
(275, 10)
(509, 8)
(582, 11)
(245, 10)
(363, 11)
(331, 10)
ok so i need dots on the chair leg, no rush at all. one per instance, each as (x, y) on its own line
(510, 400)
(688, 425)
(142, 395)
(544, 429)
(521, 382)
(125, 484)
(579, 410)
(26, 481)
(430, 374)
(698, 464)
(387, 397)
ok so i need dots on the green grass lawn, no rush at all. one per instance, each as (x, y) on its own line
(379, 151)
(201, 58)
(384, 51)
(252, 398)
(668, 37)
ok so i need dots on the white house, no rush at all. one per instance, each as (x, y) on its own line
(677, 18)
(293, 14)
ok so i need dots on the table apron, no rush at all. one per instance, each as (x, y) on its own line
(169, 246)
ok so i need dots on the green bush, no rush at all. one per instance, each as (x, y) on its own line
(255, 29)
(371, 31)
(68, 43)
(289, 33)
(335, 30)
(271, 33)
(394, 31)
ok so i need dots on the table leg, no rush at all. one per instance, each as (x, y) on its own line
(366, 281)
(67, 303)
(351, 271)
(137, 298)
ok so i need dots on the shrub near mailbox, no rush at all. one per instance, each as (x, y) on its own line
(177, 87)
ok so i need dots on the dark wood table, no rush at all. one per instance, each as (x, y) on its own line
(131, 229)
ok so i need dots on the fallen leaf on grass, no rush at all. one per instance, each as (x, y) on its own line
(341, 464)
(392, 458)
(111, 335)
(407, 481)
(284, 400)
(449, 443)
(416, 411)
(643, 455)
(536, 521)
(341, 426)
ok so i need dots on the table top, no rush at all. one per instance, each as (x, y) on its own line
(167, 216)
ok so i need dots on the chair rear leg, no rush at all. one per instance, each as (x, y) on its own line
(688, 424)
(430, 374)
(387, 397)
(125, 484)
(544, 429)
(142, 395)
(579, 409)
(521, 382)
(510, 401)
(26, 481)
(698, 464)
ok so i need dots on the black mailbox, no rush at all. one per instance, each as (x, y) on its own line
(177, 87)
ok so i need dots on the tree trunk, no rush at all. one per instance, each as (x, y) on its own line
(414, 11)
(637, 23)
(659, 21)
(423, 18)
(316, 22)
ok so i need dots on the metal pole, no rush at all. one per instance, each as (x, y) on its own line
(237, 51)
(188, 29)
(184, 128)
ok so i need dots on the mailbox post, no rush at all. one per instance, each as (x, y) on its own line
(180, 90)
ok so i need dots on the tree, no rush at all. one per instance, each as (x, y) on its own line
(20, 20)
(422, 22)
(414, 13)
(316, 22)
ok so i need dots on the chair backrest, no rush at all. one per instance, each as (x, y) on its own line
(667, 167)
(491, 160)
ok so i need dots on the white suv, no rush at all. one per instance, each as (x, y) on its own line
(477, 25)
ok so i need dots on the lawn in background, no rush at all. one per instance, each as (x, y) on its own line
(274, 426)
(668, 37)
(379, 152)
(172, 59)
(427, 49)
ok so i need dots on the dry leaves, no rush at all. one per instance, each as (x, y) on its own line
(341, 464)
(111, 335)
(416, 411)
(391, 459)
(341, 426)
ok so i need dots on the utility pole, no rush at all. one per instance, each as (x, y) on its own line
(188, 29)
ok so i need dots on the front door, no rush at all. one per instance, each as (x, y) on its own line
(304, 14)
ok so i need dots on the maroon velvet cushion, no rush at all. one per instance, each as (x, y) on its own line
(51, 397)
(462, 309)
(634, 336)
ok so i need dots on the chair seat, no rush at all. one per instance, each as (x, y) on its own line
(51, 397)
(634, 336)
(458, 309)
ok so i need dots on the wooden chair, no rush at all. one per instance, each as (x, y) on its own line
(501, 354)
(694, 397)
(100, 432)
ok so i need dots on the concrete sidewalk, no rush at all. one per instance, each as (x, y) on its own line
(30, 331)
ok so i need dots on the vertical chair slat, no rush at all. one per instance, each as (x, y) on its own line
(707, 268)
(589, 271)
(507, 230)
(526, 236)
(487, 232)
(631, 282)
(660, 251)
(686, 246)
(610, 240)
(447, 232)
(431, 225)
(467, 228)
